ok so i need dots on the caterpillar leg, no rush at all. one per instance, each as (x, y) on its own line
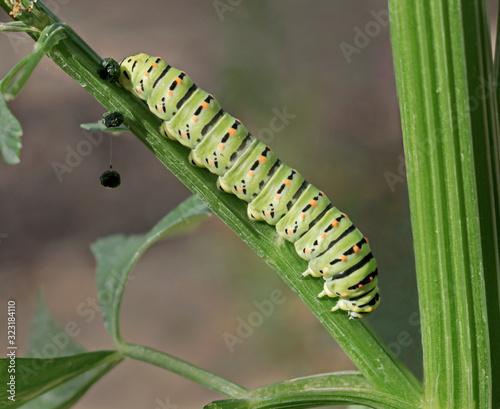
(312, 273)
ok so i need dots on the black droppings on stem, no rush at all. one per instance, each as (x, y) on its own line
(109, 70)
(112, 119)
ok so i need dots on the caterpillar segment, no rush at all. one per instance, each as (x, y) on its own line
(277, 194)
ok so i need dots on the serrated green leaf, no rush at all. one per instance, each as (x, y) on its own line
(10, 135)
(116, 255)
(99, 126)
(34, 376)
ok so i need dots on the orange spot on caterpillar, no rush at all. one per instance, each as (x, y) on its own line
(262, 159)
(211, 162)
(325, 270)
(205, 105)
(146, 74)
(154, 65)
(251, 173)
(302, 215)
(366, 240)
(356, 249)
(178, 81)
(267, 214)
(184, 134)
(360, 285)
(371, 278)
(335, 223)
(277, 197)
(313, 203)
(289, 231)
(231, 131)
(170, 92)
(222, 146)
(343, 214)
(307, 251)
(139, 90)
(343, 258)
(288, 182)
(322, 193)
(194, 118)
(138, 59)
(323, 235)
(239, 189)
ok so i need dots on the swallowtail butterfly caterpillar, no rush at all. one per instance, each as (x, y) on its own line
(247, 168)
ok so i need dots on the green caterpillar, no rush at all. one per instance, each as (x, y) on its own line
(276, 193)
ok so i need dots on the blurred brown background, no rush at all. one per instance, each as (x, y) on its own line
(328, 63)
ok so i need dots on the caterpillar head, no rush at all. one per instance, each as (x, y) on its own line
(129, 68)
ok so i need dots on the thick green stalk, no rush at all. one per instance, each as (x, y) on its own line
(373, 358)
(442, 55)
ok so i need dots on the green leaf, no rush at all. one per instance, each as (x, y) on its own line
(18, 26)
(116, 255)
(99, 126)
(34, 376)
(10, 135)
(15, 79)
(67, 394)
(48, 338)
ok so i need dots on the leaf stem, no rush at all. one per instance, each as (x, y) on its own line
(183, 368)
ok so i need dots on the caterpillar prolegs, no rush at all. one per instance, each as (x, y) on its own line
(247, 168)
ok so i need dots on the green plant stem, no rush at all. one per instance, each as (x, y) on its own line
(183, 368)
(442, 57)
(316, 399)
(13, 82)
(373, 358)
